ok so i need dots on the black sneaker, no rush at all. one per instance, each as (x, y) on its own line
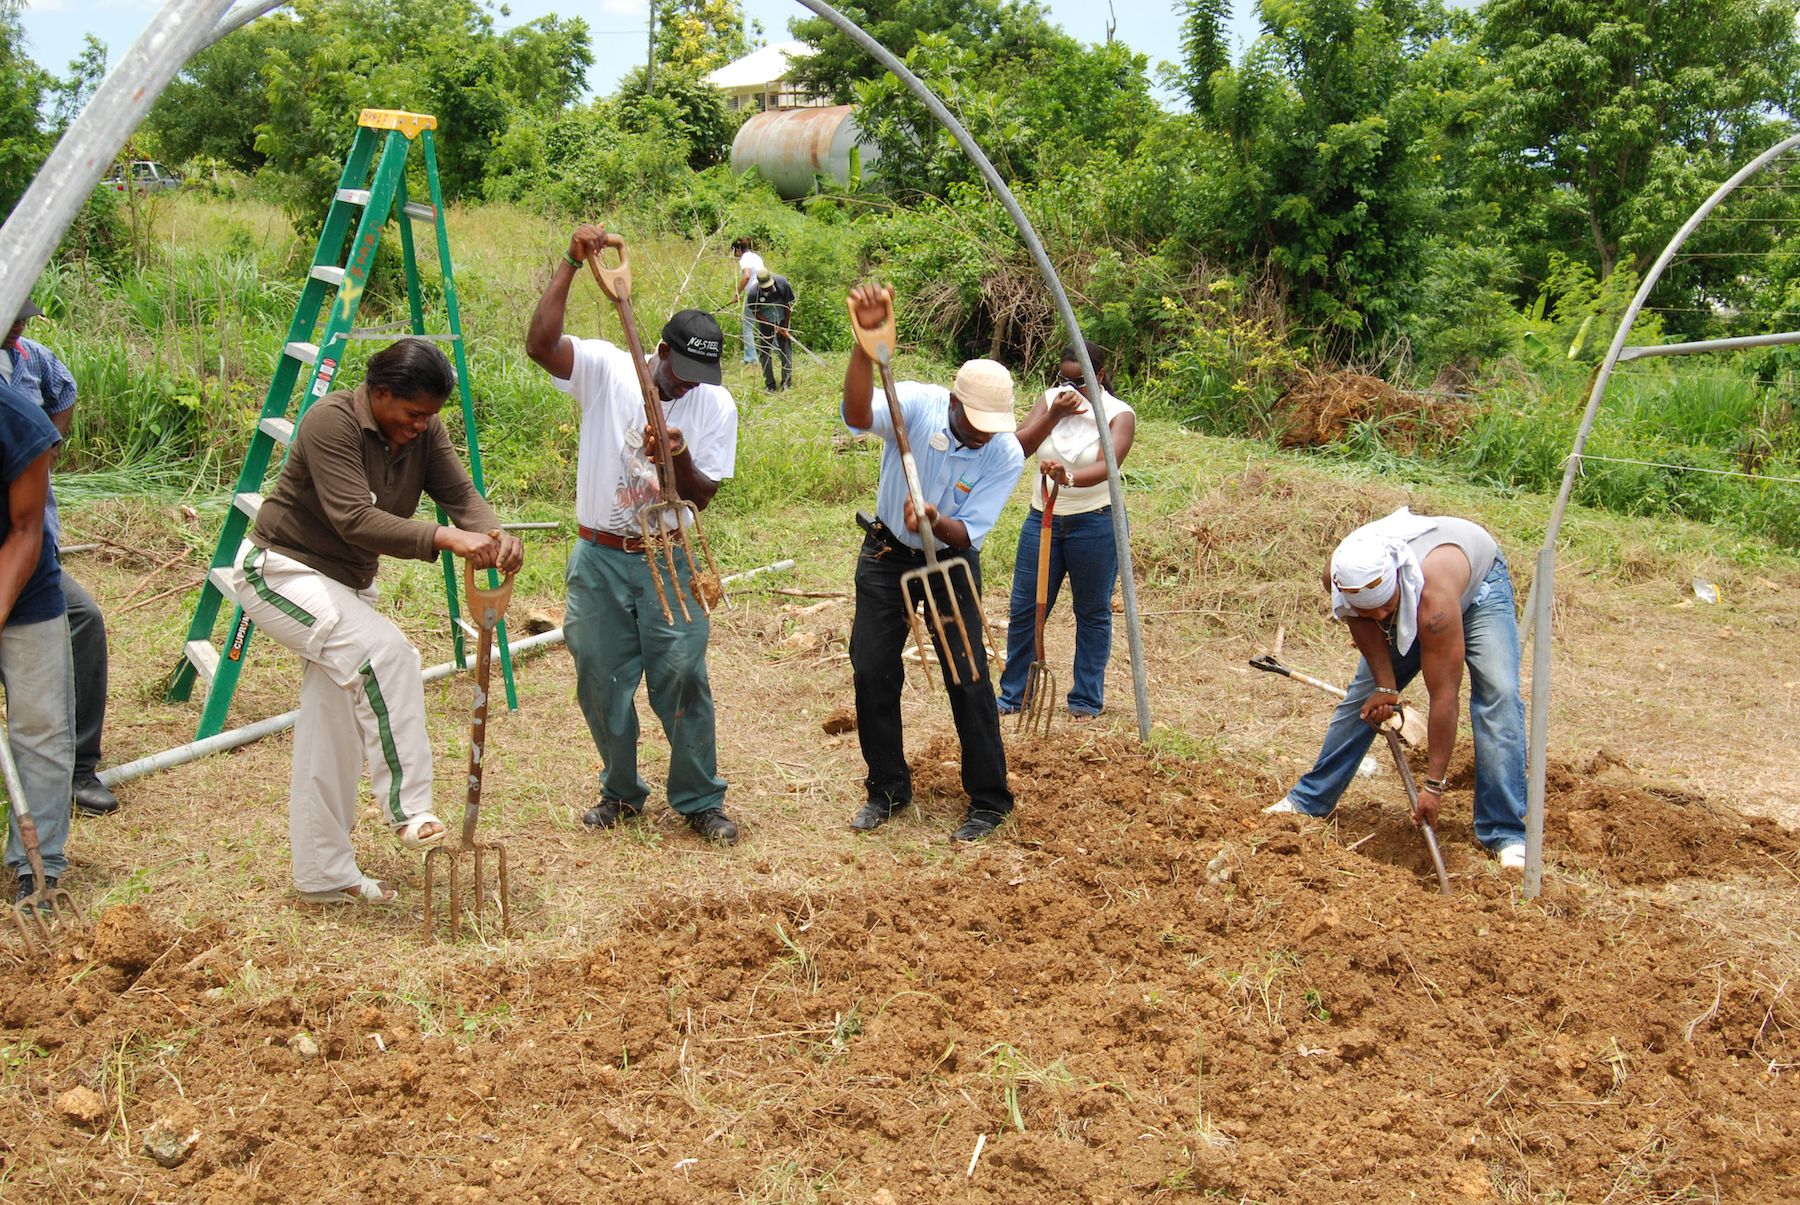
(28, 886)
(978, 827)
(92, 797)
(609, 812)
(715, 826)
(873, 815)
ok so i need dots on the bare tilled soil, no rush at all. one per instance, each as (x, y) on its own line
(1143, 989)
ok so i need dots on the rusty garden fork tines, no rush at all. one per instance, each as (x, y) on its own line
(1039, 702)
(487, 605)
(671, 527)
(932, 586)
(29, 914)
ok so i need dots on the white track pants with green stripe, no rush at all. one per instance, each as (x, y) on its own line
(362, 700)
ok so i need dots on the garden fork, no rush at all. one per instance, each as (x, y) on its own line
(935, 576)
(1039, 703)
(29, 914)
(670, 527)
(487, 606)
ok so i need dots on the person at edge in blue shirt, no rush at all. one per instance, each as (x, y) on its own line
(968, 461)
(33, 369)
(34, 642)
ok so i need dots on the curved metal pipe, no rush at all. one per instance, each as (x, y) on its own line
(1543, 585)
(1115, 488)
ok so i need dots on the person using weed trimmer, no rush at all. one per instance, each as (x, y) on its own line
(619, 628)
(965, 461)
(1428, 594)
(34, 649)
(360, 460)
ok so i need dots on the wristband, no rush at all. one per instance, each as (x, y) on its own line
(679, 448)
(571, 260)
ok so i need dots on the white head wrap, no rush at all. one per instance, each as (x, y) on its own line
(1375, 561)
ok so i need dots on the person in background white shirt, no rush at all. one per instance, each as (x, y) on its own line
(1061, 431)
(749, 264)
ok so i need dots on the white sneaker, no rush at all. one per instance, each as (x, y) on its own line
(1512, 857)
(1283, 807)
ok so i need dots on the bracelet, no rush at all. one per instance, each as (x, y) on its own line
(1437, 786)
(1385, 690)
(571, 260)
(679, 448)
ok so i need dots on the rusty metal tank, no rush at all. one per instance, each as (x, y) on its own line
(793, 147)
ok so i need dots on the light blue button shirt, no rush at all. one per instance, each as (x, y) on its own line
(40, 376)
(967, 484)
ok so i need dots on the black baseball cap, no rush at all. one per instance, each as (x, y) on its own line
(694, 341)
(28, 310)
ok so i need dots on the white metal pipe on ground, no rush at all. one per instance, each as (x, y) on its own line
(181, 755)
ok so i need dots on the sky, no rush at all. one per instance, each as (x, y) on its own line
(54, 28)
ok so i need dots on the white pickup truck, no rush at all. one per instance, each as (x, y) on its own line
(146, 175)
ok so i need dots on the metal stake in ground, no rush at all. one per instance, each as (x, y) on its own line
(487, 606)
(55, 902)
(671, 527)
(935, 575)
(1039, 703)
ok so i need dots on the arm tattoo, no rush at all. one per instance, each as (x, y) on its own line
(1438, 624)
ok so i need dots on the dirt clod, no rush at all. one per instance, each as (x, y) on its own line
(81, 1106)
(127, 938)
(840, 721)
(304, 1046)
(171, 1138)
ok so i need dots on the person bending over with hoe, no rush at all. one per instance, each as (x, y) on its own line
(34, 645)
(966, 463)
(617, 626)
(1069, 486)
(1428, 595)
(354, 473)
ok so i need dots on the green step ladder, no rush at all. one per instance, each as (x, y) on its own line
(376, 198)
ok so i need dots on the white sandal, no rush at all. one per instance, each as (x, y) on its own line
(364, 891)
(408, 833)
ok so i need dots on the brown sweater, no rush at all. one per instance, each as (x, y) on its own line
(343, 500)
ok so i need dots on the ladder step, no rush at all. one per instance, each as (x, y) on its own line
(220, 577)
(205, 659)
(280, 430)
(249, 503)
(306, 353)
(330, 275)
(353, 196)
(381, 333)
(418, 212)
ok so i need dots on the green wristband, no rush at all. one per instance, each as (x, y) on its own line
(571, 260)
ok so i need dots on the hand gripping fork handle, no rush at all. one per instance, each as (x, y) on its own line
(1039, 703)
(1412, 797)
(671, 524)
(487, 606)
(877, 343)
(28, 913)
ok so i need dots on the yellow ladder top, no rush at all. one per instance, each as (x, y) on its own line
(408, 124)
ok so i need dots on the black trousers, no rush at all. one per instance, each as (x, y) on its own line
(878, 635)
(87, 644)
(771, 344)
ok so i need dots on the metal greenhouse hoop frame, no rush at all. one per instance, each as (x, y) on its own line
(1543, 586)
(185, 27)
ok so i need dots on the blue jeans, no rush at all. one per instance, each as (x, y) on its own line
(1082, 549)
(617, 637)
(748, 329)
(39, 675)
(1496, 713)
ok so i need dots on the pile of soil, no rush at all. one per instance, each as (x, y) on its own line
(1145, 988)
(1320, 408)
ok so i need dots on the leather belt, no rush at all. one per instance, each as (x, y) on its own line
(607, 539)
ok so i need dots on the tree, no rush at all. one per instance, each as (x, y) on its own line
(1608, 118)
(698, 36)
(683, 106)
(23, 142)
(215, 104)
(997, 31)
(86, 71)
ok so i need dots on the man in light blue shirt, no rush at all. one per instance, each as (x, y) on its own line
(34, 370)
(968, 461)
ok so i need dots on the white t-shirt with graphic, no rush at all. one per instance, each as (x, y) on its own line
(614, 479)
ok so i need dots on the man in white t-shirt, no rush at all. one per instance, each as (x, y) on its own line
(749, 264)
(614, 625)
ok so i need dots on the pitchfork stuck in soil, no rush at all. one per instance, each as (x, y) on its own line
(933, 584)
(47, 906)
(1039, 702)
(671, 527)
(487, 606)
